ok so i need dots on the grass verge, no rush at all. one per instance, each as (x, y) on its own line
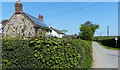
(88, 63)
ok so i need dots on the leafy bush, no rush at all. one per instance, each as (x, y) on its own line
(17, 54)
(46, 52)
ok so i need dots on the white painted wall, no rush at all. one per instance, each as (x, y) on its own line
(0, 27)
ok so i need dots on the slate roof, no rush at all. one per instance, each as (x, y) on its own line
(36, 20)
(56, 30)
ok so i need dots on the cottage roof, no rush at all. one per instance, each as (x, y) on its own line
(36, 20)
(56, 30)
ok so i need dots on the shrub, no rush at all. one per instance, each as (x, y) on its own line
(17, 54)
(47, 52)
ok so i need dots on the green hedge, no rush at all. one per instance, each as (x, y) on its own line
(105, 37)
(46, 52)
(17, 54)
(108, 41)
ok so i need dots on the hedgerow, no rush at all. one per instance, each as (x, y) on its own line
(105, 37)
(109, 41)
(46, 52)
(17, 54)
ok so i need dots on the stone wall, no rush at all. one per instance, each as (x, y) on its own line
(19, 26)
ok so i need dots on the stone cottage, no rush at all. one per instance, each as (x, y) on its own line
(23, 24)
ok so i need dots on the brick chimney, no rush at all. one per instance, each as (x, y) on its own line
(18, 7)
(40, 17)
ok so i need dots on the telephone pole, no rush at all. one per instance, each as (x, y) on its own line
(108, 30)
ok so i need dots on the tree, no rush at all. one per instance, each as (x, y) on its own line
(64, 31)
(87, 30)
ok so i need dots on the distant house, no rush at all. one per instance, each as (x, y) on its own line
(1, 30)
(1, 27)
(71, 37)
(23, 24)
(56, 33)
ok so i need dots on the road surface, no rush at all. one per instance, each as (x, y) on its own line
(104, 58)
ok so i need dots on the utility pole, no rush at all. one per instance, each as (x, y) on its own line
(108, 30)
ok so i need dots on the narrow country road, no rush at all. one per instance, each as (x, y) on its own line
(104, 58)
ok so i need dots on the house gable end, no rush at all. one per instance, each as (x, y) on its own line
(19, 25)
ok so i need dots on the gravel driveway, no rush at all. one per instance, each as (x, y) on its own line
(104, 58)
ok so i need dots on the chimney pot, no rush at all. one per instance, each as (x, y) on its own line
(40, 17)
(18, 7)
(17, 2)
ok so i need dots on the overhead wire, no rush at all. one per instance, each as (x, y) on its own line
(74, 10)
(54, 8)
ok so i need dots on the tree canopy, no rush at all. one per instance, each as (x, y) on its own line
(87, 30)
(64, 31)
